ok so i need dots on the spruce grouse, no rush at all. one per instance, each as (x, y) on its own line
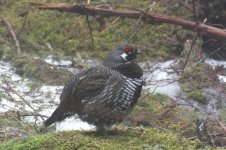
(102, 95)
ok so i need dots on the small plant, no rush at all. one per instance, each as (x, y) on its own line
(198, 96)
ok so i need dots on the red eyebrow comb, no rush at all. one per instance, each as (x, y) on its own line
(127, 49)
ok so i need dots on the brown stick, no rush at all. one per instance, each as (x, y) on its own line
(222, 125)
(25, 20)
(134, 14)
(17, 44)
(209, 135)
(190, 50)
(171, 107)
(90, 31)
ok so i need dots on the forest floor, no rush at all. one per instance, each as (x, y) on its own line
(182, 104)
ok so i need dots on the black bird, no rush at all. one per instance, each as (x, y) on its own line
(102, 95)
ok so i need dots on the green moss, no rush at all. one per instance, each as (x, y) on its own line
(198, 77)
(12, 127)
(198, 96)
(147, 109)
(222, 112)
(133, 138)
(68, 33)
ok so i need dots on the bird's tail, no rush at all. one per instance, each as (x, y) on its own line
(57, 115)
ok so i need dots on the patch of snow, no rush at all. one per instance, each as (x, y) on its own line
(222, 78)
(51, 60)
(162, 79)
(15, 77)
(44, 99)
(65, 62)
(215, 63)
(73, 124)
(4, 67)
(6, 105)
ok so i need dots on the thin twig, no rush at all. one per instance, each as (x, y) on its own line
(18, 120)
(185, 6)
(193, 138)
(10, 28)
(25, 20)
(144, 96)
(171, 107)
(207, 56)
(27, 103)
(190, 50)
(36, 115)
(90, 31)
(222, 125)
(110, 25)
(194, 11)
(136, 27)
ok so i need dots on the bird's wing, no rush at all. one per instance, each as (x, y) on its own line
(86, 84)
(92, 83)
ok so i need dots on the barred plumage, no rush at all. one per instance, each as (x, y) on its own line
(102, 95)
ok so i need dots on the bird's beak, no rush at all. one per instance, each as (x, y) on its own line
(138, 51)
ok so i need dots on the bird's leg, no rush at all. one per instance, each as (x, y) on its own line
(101, 130)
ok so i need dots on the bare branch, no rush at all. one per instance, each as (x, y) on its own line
(222, 125)
(25, 101)
(17, 44)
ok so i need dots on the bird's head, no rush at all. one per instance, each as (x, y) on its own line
(121, 54)
(128, 52)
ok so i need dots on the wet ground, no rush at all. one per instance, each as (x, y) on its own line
(17, 93)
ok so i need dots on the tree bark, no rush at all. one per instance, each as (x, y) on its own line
(151, 18)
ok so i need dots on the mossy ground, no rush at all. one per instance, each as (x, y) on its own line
(67, 35)
(131, 138)
(195, 79)
(11, 127)
(198, 77)
(196, 95)
(166, 131)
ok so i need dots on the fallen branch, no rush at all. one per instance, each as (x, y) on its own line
(32, 114)
(17, 44)
(209, 135)
(147, 17)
